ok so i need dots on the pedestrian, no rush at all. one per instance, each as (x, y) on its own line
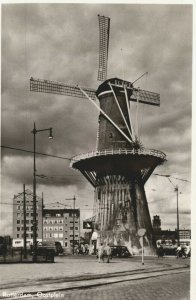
(100, 252)
(83, 249)
(108, 251)
(86, 249)
(160, 250)
(187, 250)
(178, 251)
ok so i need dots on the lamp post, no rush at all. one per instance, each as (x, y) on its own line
(34, 131)
(177, 195)
(74, 203)
(177, 211)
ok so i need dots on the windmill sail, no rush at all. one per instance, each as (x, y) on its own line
(145, 97)
(52, 87)
(104, 30)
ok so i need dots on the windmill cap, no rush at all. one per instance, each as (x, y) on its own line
(119, 83)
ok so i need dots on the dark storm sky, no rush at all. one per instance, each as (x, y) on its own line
(60, 42)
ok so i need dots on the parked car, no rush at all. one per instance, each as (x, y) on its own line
(120, 251)
(51, 246)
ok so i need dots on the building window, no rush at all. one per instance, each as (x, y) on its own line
(18, 235)
(58, 215)
(60, 221)
(76, 228)
(18, 228)
(71, 228)
(18, 221)
(60, 235)
(65, 244)
(56, 228)
(18, 214)
(60, 228)
(55, 235)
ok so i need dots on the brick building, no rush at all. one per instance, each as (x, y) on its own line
(58, 226)
(18, 218)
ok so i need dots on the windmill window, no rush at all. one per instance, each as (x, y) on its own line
(111, 135)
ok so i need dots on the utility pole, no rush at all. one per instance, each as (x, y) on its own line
(74, 207)
(42, 213)
(177, 195)
(74, 200)
(34, 198)
(35, 131)
(176, 190)
(177, 211)
(24, 214)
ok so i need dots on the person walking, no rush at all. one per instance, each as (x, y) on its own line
(187, 250)
(100, 252)
(108, 251)
(179, 251)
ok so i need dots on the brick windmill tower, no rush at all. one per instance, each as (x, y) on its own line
(120, 166)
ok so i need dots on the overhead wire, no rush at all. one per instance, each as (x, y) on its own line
(40, 153)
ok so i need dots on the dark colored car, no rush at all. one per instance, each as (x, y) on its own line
(120, 251)
(51, 246)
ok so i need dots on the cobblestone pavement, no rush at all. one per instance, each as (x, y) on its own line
(170, 287)
(77, 266)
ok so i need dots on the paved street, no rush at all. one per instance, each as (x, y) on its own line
(65, 267)
(170, 287)
(82, 277)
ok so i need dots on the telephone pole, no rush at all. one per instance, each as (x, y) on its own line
(74, 207)
(177, 198)
(24, 225)
(177, 211)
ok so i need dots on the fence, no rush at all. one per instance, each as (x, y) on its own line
(17, 255)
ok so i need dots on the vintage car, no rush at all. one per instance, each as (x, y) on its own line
(120, 251)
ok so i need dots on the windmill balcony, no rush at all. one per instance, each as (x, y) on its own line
(143, 151)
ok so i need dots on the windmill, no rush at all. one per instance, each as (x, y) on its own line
(120, 166)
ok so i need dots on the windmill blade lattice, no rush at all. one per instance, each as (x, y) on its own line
(145, 97)
(104, 30)
(52, 87)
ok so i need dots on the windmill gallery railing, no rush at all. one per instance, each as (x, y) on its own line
(142, 151)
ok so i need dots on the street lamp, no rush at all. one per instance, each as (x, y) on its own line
(74, 203)
(177, 194)
(34, 131)
(175, 190)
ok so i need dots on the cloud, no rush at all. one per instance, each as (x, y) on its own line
(60, 42)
